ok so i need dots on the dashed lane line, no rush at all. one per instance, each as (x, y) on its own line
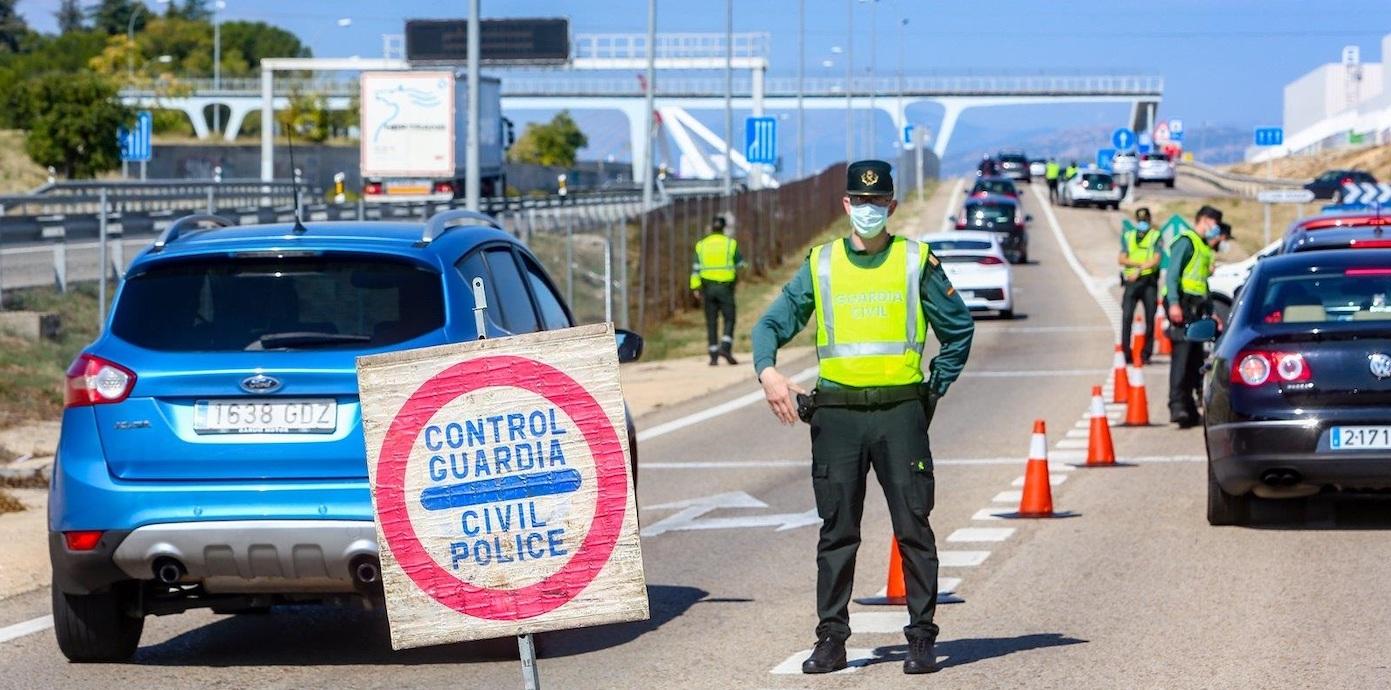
(1053, 480)
(961, 559)
(712, 412)
(29, 627)
(1059, 457)
(980, 534)
(857, 658)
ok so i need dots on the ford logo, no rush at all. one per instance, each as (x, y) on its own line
(1380, 364)
(260, 383)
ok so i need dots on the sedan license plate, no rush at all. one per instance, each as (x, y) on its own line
(1360, 438)
(286, 416)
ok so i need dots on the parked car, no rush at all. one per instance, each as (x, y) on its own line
(1155, 167)
(211, 450)
(1298, 396)
(1014, 165)
(1090, 187)
(1226, 280)
(1334, 229)
(1124, 163)
(985, 186)
(976, 264)
(1330, 183)
(1001, 215)
(1038, 168)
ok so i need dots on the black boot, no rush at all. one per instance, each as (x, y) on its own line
(921, 658)
(714, 356)
(829, 656)
(727, 351)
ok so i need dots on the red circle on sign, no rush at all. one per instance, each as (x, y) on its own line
(612, 502)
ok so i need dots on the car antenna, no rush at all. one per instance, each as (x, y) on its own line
(299, 228)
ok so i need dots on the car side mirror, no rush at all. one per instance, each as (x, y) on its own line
(1201, 331)
(629, 345)
(1028, 218)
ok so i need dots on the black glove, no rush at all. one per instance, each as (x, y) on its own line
(930, 406)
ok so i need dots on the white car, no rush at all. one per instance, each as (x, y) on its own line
(1227, 279)
(1091, 186)
(976, 265)
(1155, 167)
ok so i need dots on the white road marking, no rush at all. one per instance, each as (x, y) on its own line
(951, 204)
(1007, 497)
(1080, 431)
(945, 585)
(986, 326)
(717, 410)
(878, 622)
(1104, 300)
(858, 658)
(1054, 459)
(962, 559)
(29, 627)
(974, 534)
(1053, 480)
(691, 512)
(987, 514)
(1031, 373)
(1071, 443)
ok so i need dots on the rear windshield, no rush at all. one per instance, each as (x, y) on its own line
(1013, 158)
(952, 245)
(994, 213)
(1354, 295)
(1155, 157)
(1097, 180)
(278, 303)
(994, 187)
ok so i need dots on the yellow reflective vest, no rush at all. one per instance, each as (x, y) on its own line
(714, 260)
(1140, 249)
(870, 325)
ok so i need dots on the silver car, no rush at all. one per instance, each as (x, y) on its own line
(1091, 187)
(1155, 167)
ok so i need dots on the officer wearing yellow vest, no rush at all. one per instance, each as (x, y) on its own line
(1051, 170)
(874, 296)
(717, 261)
(1139, 260)
(1186, 299)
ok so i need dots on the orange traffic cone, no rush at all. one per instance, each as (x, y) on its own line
(1036, 500)
(1162, 344)
(1120, 386)
(1137, 341)
(1137, 409)
(1100, 451)
(896, 590)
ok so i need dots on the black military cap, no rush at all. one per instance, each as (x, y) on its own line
(1209, 212)
(1143, 214)
(717, 223)
(869, 178)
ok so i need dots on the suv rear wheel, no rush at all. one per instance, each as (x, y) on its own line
(1224, 508)
(96, 627)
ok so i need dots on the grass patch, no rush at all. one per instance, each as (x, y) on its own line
(1246, 217)
(31, 373)
(18, 174)
(8, 503)
(683, 334)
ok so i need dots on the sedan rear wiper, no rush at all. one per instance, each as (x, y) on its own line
(272, 341)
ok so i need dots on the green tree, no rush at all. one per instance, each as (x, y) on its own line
(114, 16)
(554, 143)
(72, 121)
(70, 17)
(309, 118)
(193, 10)
(13, 29)
(252, 41)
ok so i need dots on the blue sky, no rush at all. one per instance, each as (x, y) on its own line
(1224, 61)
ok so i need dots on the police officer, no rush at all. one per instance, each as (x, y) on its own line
(717, 261)
(874, 296)
(1051, 170)
(1139, 260)
(1186, 300)
(1071, 171)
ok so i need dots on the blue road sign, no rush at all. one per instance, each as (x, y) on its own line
(1144, 148)
(136, 143)
(761, 140)
(1270, 136)
(1123, 139)
(1104, 157)
(1146, 140)
(1175, 129)
(908, 136)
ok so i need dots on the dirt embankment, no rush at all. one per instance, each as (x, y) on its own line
(1373, 159)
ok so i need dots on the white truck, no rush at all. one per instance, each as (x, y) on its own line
(414, 134)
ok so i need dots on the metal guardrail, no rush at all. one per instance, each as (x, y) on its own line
(1241, 185)
(79, 197)
(679, 45)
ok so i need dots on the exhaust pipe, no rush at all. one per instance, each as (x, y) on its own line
(169, 570)
(1280, 477)
(367, 570)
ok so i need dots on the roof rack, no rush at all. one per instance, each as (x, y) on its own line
(191, 222)
(444, 221)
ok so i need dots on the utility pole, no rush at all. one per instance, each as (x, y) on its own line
(217, 62)
(801, 78)
(898, 107)
(471, 186)
(728, 99)
(849, 79)
(873, 77)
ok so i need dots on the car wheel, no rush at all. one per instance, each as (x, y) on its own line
(1007, 314)
(1138, 182)
(1222, 507)
(95, 627)
(1169, 184)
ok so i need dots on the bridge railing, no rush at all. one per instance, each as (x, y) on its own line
(672, 45)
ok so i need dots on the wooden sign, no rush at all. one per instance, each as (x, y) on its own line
(501, 486)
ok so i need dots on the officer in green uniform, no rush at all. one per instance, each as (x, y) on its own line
(1186, 300)
(874, 296)
(717, 261)
(1139, 260)
(1051, 170)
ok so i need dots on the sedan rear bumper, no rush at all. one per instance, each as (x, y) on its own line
(1241, 452)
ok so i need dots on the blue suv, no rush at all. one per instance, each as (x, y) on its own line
(211, 451)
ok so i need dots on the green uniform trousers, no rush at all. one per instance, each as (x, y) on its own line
(845, 443)
(719, 301)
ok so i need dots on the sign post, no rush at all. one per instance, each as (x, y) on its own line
(502, 488)
(1281, 196)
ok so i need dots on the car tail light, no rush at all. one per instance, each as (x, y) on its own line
(1345, 222)
(1355, 272)
(444, 187)
(92, 380)
(1018, 217)
(372, 188)
(1258, 367)
(1345, 181)
(989, 261)
(84, 540)
(1368, 244)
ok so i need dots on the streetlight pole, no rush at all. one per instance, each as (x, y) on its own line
(217, 61)
(471, 162)
(728, 99)
(135, 9)
(849, 78)
(873, 87)
(898, 107)
(801, 77)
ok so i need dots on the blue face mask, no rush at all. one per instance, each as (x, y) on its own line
(869, 219)
(1143, 225)
(1213, 231)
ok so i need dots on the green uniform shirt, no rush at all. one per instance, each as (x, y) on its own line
(1179, 254)
(950, 319)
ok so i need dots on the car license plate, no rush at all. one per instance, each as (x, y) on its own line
(285, 416)
(1360, 438)
(410, 187)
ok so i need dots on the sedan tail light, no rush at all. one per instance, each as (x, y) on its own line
(1258, 367)
(989, 261)
(372, 188)
(444, 187)
(82, 540)
(92, 380)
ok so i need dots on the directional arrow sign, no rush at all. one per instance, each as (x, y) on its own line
(690, 515)
(1366, 193)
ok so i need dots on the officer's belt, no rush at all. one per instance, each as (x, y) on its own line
(869, 397)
